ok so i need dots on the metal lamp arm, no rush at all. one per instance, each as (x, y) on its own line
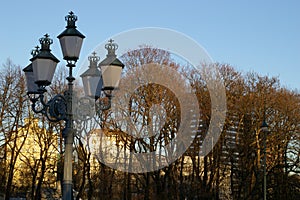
(55, 109)
(34, 101)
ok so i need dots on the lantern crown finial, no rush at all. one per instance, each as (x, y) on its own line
(71, 39)
(94, 59)
(111, 48)
(45, 42)
(71, 19)
(35, 51)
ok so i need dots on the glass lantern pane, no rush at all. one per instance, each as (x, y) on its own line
(92, 85)
(111, 75)
(71, 46)
(43, 69)
(30, 82)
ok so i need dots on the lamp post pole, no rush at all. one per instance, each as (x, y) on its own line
(68, 135)
(98, 81)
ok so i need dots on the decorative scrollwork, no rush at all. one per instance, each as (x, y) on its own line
(103, 104)
(36, 105)
(57, 108)
(85, 109)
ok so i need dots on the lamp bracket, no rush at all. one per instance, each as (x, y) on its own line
(55, 109)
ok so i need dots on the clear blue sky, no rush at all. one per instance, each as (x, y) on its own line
(260, 36)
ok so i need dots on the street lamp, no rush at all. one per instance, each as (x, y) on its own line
(39, 75)
(265, 129)
(107, 78)
(71, 39)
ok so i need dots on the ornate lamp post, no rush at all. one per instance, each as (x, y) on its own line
(39, 75)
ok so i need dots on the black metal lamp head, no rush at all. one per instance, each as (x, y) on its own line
(111, 67)
(71, 39)
(44, 62)
(91, 78)
(32, 87)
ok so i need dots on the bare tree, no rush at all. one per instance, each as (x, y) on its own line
(13, 109)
